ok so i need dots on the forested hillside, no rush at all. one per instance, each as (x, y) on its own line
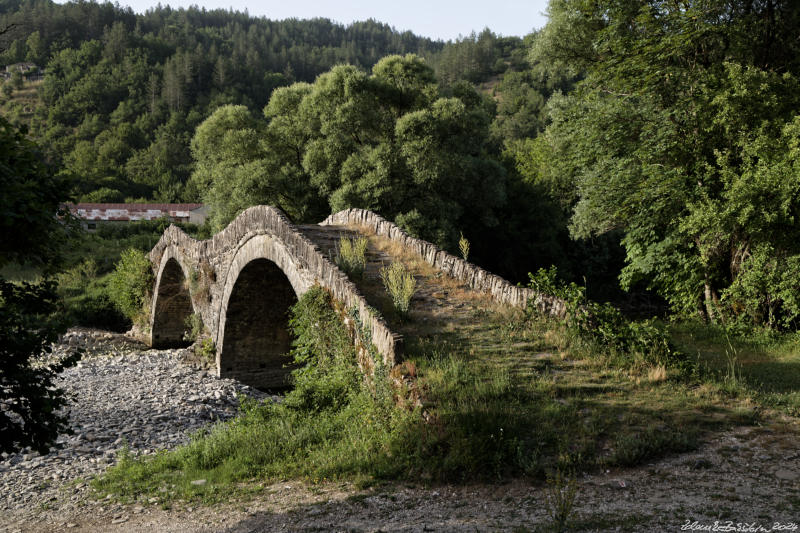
(124, 95)
(124, 92)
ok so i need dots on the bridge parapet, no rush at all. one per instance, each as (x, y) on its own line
(479, 279)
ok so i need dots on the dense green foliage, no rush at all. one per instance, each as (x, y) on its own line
(29, 196)
(479, 57)
(683, 136)
(124, 92)
(659, 137)
(90, 264)
(328, 377)
(389, 141)
(634, 344)
(29, 399)
(131, 284)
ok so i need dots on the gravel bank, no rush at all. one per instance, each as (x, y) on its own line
(748, 475)
(121, 393)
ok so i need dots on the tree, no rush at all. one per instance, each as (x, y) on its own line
(386, 141)
(228, 157)
(660, 138)
(36, 49)
(30, 194)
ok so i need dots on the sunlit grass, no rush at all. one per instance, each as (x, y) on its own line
(763, 364)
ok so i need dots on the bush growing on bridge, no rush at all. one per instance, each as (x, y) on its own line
(351, 256)
(329, 375)
(401, 285)
(131, 285)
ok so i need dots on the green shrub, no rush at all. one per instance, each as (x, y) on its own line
(351, 256)
(194, 327)
(206, 349)
(463, 246)
(401, 285)
(766, 291)
(605, 328)
(327, 375)
(131, 284)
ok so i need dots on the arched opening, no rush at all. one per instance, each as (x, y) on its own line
(173, 306)
(256, 336)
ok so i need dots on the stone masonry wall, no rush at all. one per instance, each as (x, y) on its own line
(210, 262)
(474, 276)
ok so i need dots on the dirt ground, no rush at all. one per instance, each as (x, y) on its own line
(744, 479)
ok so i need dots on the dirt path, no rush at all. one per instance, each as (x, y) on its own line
(746, 475)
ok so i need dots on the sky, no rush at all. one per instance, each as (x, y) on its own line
(438, 19)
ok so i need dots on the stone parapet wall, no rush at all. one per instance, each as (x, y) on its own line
(479, 279)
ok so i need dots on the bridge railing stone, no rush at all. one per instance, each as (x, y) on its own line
(474, 276)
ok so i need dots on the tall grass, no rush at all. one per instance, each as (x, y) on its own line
(351, 256)
(463, 246)
(401, 286)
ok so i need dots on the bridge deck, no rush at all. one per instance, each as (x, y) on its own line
(443, 309)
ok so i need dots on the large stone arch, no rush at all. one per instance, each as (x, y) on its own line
(262, 283)
(215, 265)
(172, 303)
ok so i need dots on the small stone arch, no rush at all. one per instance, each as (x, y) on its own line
(262, 283)
(172, 304)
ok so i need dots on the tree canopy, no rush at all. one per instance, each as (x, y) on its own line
(682, 134)
(124, 93)
(30, 196)
(389, 141)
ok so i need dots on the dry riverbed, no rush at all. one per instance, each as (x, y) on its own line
(123, 393)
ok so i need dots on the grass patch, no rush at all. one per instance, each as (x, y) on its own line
(763, 365)
(507, 395)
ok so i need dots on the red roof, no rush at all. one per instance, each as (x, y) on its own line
(130, 212)
(138, 207)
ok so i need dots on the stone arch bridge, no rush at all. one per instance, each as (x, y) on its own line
(242, 281)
